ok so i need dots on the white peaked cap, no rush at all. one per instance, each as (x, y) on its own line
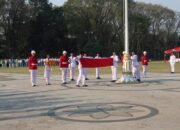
(33, 52)
(144, 52)
(64, 52)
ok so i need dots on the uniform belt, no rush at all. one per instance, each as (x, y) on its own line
(64, 63)
(34, 64)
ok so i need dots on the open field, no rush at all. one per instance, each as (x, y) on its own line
(155, 66)
(151, 105)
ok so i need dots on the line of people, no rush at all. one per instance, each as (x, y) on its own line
(64, 64)
(23, 62)
(11, 63)
(72, 62)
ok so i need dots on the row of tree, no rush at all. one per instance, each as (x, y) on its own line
(95, 26)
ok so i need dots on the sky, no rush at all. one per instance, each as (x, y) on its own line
(57, 2)
(172, 4)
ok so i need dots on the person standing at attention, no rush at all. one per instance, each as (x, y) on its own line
(135, 67)
(172, 62)
(72, 66)
(97, 69)
(47, 70)
(144, 61)
(32, 64)
(114, 67)
(63, 63)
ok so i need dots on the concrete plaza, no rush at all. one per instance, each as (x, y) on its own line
(151, 105)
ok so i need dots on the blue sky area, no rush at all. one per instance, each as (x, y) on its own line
(172, 4)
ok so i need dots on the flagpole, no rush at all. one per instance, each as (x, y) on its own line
(126, 28)
(126, 73)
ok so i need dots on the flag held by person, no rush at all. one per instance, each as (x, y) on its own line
(93, 63)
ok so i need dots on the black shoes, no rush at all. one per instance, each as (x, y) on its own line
(64, 83)
(85, 85)
(113, 80)
(98, 78)
(82, 86)
(86, 79)
(77, 85)
(139, 80)
(72, 80)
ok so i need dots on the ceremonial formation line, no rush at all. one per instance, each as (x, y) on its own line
(69, 64)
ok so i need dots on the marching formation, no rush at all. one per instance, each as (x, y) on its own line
(68, 65)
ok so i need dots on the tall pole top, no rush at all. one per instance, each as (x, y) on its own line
(126, 28)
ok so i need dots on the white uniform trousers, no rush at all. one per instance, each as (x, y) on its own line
(114, 72)
(64, 74)
(81, 76)
(33, 74)
(72, 72)
(47, 73)
(172, 67)
(85, 72)
(136, 72)
(144, 70)
(133, 71)
(97, 72)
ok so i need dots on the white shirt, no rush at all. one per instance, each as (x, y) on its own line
(72, 61)
(79, 63)
(172, 59)
(115, 60)
(134, 60)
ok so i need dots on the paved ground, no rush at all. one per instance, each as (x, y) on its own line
(153, 104)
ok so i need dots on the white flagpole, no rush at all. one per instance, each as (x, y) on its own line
(126, 73)
(126, 28)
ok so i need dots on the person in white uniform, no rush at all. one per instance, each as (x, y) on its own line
(97, 69)
(144, 61)
(172, 62)
(86, 69)
(72, 66)
(64, 63)
(135, 67)
(82, 75)
(114, 67)
(47, 70)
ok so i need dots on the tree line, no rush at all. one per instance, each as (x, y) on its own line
(94, 26)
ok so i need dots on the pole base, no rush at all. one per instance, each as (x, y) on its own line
(126, 78)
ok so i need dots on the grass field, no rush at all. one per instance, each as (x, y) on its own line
(155, 66)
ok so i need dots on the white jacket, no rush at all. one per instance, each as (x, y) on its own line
(134, 60)
(115, 60)
(172, 59)
(72, 61)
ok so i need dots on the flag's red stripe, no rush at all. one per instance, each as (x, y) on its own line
(93, 63)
